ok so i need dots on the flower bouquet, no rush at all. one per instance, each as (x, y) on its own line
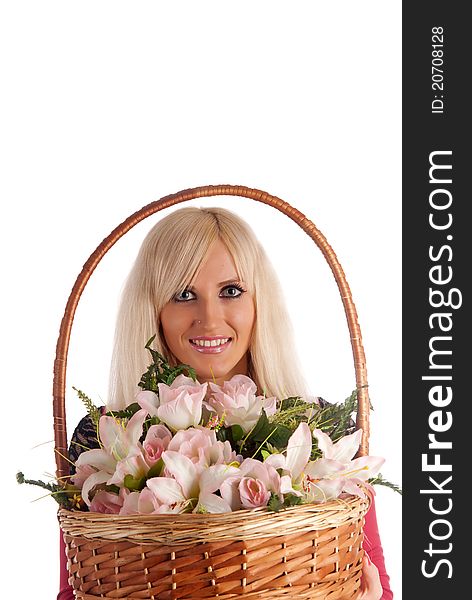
(184, 447)
(276, 495)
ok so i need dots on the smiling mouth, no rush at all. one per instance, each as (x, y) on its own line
(210, 345)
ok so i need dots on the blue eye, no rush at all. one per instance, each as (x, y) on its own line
(232, 291)
(184, 296)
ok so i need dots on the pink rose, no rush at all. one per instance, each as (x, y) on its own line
(106, 502)
(252, 486)
(238, 404)
(181, 405)
(140, 503)
(201, 446)
(156, 442)
(193, 442)
(253, 493)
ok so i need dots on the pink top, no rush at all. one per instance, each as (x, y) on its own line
(372, 546)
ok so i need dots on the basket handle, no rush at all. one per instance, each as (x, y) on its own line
(60, 363)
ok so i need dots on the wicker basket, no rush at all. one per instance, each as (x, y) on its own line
(308, 551)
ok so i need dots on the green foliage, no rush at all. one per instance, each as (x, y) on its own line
(336, 420)
(271, 434)
(237, 432)
(159, 371)
(92, 410)
(379, 480)
(256, 442)
(276, 505)
(65, 495)
(136, 484)
(126, 413)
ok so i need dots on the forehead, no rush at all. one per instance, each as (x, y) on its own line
(217, 265)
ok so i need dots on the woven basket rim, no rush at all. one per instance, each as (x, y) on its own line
(240, 524)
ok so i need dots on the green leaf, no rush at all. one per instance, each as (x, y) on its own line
(292, 500)
(237, 432)
(134, 484)
(127, 413)
(92, 410)
(379, 480)
(279, 438)
(261, 429)
(223, 434)
(274, 503)
(159, 371)
(156, 469)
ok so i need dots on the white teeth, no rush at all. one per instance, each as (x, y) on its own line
(210, 343)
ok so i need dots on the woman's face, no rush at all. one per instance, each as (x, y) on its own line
(209, 324)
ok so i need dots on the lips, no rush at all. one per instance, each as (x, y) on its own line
(210, 345)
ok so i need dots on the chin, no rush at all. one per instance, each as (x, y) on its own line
(219, 375)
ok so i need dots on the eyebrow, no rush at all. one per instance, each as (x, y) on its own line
(233, 280)
(226, 282)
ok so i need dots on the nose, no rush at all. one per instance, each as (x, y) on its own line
(209, 313)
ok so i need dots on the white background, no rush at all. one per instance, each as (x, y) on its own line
(108, 106)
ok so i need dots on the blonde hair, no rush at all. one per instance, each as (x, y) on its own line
(168, 261)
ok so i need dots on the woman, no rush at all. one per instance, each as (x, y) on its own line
(203, 282)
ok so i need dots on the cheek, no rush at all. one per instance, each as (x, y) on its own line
(173, 324)
(245, 318)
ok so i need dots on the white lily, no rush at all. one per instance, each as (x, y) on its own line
(294, 461)
(337, 466)
(190, 486)
(119, 442)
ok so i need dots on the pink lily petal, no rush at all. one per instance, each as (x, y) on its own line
(351, 486)
(324, 468)
(365, 467)
(184, 471)
(118, 440)
(81, 474)
(230, 492)
(212, 478)
(149, 401)
(132, 465)
(166, 490)
(130, 504)
(91, 482)
(270, 406)
(286, 486)
(324, 490)
(211, 503)
(134, 428)
(343, 450)
(98, 458)
(277, 461)
(111, 436)
(298, 450)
